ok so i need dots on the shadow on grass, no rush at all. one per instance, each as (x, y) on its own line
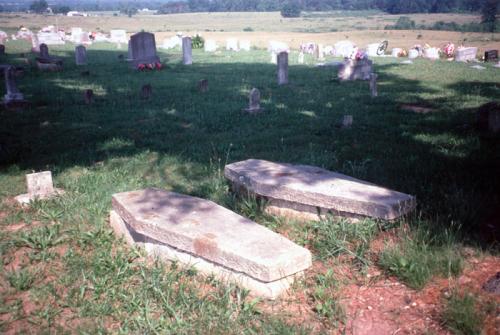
(438, 157)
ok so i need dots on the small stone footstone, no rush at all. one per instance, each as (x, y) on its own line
(346, 121)
(212, 238)
(80, 55)
(40, 186)
(146, 91)
(373, 85)
(254, 101)
(308, 192)
(88, 96)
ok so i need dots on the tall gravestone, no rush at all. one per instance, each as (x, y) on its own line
(44, 51)
(80, 55)
(2, 49)
(142, 49)
(187, 51)
(283, 68)
(12, 93)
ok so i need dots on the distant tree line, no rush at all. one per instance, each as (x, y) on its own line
(390, 6)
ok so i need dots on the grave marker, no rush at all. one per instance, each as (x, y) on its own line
(80, 55)
(355, 70)
(88, 96)
(44, 51)
(347, 121)
(283, 68)
(254, 101)
(466, 54)
(491, 56)
(2, 49)
(309, 192)
(301, 58)
(142, 49)
(187, 51)
(39, 187)
(203, 85)
(146, 91)
(13, 97)
(373, 85)
(211, 238)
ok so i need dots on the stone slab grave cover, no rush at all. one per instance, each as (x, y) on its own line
(309, 192)
(142, 49)
(355, 69)
(466, 54)
(211, 238)
(40, 186)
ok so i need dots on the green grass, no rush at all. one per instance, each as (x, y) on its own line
(462, 314)
(181, 139)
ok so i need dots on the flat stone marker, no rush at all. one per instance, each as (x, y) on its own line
(80, 55)
(39, 187)
(212, 238)
(254, 101)
(309, 192)
(187, 51)
(283, 68)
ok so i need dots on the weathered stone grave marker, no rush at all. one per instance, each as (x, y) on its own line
(491, 56)
(309, 192)
(40, 186)
(88, 96)
(373, 85)
(187, 51)
(274, 57)
(283, 68)
(45, 62)
(213, 239)
(80, 55)
(142, 49)
(44, 51)
(146, 91)
(301, 58)
(254, 101)
(203, 85)
(2, 49)
(13, 97)
(466, 54)
(355, 70)
(488, 117)
(346, 121)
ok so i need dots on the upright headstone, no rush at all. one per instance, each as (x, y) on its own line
(274, 57)
(466, 54)
(142, 49)
(146, 91)
(254, 101)
(203, 85)
(232, 44)
(80, 55)
(301, 58)
(347, 121)
(39, 187)
(373, 85)
(44, 51)
(12, 96)
(2, 49)
(283, 68)
(245, 45)
(187, 51)
(355, 69)
(88, 96)
(210, 46)
(491, 56)
(321, 52)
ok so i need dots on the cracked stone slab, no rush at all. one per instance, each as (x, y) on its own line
(211, 232)
(156, 249)
(309, 192)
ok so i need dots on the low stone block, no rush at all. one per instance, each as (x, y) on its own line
(309, 192)
(40, 187)
(157, 249)
(208, 231)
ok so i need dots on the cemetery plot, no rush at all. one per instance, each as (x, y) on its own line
(311, 192)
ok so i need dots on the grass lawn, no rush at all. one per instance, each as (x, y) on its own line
(63, 269)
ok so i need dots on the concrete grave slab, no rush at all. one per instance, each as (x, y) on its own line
(194, 227)
(308, 192)
(163, 251)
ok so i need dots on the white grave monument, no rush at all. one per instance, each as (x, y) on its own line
(40, 187)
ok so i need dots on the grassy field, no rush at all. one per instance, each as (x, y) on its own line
(64, 271)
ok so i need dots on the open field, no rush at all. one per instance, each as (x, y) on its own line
(233, 22)
(63, 270)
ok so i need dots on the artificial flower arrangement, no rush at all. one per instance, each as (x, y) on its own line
(151, 66)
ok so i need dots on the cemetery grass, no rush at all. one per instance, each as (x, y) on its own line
(64, 270)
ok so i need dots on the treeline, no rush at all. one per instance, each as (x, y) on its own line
(390, 6)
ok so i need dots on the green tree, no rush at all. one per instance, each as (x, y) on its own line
(61, 10)
(39, 6)
(291, 9)
(489, 14)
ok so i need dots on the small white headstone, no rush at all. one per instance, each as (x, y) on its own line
(301, 58)
(232, 44)
(245, 45)
(210, 46)
(40, 186)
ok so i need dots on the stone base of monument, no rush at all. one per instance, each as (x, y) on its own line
(43, 64)
(311, 193)
(25, 199)
(210, 238)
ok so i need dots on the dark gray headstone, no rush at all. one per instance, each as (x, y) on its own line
(12, 97)
(2, 49)
(254, 101)
(373, 85)
(283, 68)
(80, 55)
(142, 49)
(187, 51)
(491, 56)
(44, 51)
(203, 85)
